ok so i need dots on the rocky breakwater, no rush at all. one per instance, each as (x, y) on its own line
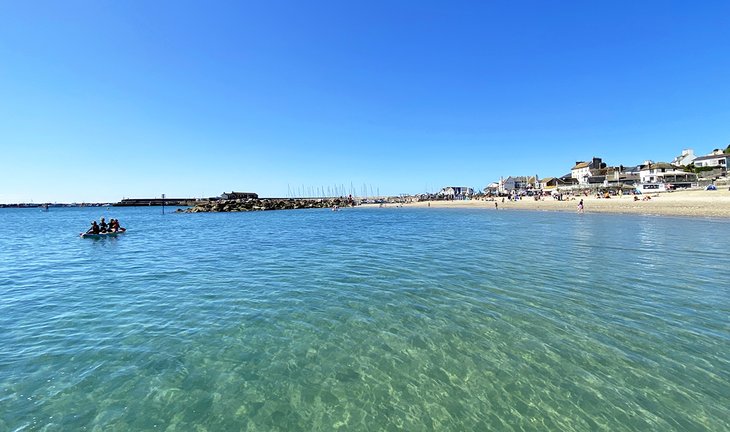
(243, 205)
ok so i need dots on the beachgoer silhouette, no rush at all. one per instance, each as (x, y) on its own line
(94, 228)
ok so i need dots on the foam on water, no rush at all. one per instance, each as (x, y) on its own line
(364, 319)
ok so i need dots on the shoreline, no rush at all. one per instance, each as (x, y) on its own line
(696, 203)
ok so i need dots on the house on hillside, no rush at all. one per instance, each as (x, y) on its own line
(684, 159)
(716, 159)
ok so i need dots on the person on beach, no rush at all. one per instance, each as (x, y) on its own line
(580, 206)
(94, 228)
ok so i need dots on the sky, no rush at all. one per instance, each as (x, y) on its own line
(104, 100)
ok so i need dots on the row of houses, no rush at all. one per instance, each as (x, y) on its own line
(685, 171)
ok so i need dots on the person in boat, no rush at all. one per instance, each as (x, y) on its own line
(94, 228)
(116, 226)
(111, 226)
(103, 226)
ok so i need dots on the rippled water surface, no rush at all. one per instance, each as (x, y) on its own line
(364, 319)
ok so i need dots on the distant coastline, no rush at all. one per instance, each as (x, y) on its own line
(127, 202)
(54, 205)
(688, 203)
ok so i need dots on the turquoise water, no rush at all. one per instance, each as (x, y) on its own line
(364, 319)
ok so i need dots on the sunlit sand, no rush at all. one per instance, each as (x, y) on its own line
(698, 203)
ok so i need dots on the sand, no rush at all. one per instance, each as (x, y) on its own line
(695, 203)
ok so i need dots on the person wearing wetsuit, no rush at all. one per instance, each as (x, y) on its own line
(103, 226)
(94, 228)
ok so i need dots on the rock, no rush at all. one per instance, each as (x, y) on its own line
(252, 204)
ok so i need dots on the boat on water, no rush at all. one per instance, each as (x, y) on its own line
(102, 235)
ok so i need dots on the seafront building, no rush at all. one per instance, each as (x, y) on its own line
(716, 159)
(583, 171)
(492, 188)
(623, 175)
(549, 183)
(518, 184)
(685, 171)
(456, 192)
(666, 175)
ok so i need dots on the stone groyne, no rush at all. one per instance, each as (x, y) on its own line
(242, 205)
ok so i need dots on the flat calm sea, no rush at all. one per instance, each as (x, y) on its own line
(364, 319)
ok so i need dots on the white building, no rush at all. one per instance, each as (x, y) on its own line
(716, 159)
(517, 184)
(664, 173)
(684, 159)
(456, 192)
(583, 171)
(492, 188)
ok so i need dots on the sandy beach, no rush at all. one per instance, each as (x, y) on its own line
(695, 203)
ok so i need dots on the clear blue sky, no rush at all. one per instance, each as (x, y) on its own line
(101, 100)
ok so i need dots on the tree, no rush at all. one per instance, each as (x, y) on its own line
(727, 149)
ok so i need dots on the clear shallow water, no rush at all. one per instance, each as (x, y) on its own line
(364, 319)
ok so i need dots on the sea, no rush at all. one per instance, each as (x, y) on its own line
(364, 319)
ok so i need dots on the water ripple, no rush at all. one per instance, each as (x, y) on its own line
(364, 319)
